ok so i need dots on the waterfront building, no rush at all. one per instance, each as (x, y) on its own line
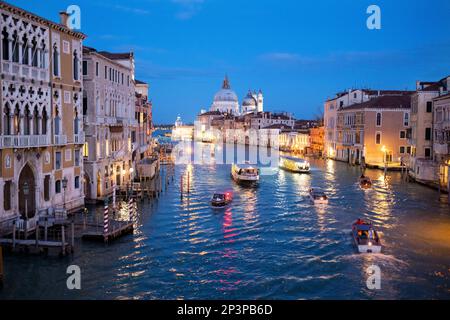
(316, 141)
(422, 166)
(441, 146)
(374, 132)
(109, 118)
(341, 101)
(181, 131)
(296, 141)
(141, 138)
(40, 107)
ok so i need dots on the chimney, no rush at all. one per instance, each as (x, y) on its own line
(63, 17)
(417, 85)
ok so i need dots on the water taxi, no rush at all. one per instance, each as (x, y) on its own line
(318, 196)
(245, 174)
(294, 164)
(221, 200)
(365, 182)
(366, 237)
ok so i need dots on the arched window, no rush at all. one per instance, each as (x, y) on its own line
(55, 61)
(36, 121)
(17, 120)
(6, 121)
(15, 48)
(378, 119)
(25, 55)
(27, 121)
(57, 122)
(5, 44)
(43, 54)
(44, 122)
(76, 123)
(34, 53)
(75, 65)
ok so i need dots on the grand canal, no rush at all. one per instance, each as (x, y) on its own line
(272, 243)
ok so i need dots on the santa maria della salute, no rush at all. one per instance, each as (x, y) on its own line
(226, 101)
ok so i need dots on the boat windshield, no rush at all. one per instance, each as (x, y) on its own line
(219, 197)
(250, 171)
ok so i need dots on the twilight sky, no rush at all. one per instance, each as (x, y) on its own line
(297, 53)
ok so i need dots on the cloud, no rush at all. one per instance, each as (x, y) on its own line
(290, 59)
(187, 8)
(134, 10)
(284, 57)
(127, 9)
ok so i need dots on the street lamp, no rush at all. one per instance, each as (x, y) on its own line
(26, 192)
(64, 185)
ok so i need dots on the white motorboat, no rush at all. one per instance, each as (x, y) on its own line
(245, 174)
(366, 237)
(318, 196)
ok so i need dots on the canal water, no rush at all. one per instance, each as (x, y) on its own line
(272, 243)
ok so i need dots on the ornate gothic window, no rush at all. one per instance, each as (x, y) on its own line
(55, 61)
(75, 65)
(44, 122)
(27, 121)
(25, 53)
(6, 121)
(36, 121)
(34, 53)
(17, 120)
(15, 48)
(5, 44)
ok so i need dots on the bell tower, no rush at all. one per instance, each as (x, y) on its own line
(260, 101)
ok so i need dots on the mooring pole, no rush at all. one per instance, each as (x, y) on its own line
(1, 265)
(188, 182)
(63, 241)
(14, 234)
(37, 234)
(181, 186)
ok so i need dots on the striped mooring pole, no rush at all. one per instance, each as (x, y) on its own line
(106, 220)
(130, 209)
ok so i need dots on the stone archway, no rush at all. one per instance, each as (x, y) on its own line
(27, 184)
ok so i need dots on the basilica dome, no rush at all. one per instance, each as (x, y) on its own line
(249, 101)
(226, 95)
(226, 100)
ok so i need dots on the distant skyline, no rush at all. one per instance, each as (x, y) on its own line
(299, 54)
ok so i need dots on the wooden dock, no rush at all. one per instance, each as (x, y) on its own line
(36, 246)
(117, 229)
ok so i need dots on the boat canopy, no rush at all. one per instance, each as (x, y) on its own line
(295, 159)
(363, 227)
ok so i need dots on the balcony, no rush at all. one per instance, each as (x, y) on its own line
(21, 70)
(22, 141)
(78, 138)
(60, 140)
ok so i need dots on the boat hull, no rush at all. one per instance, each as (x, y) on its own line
(369, 249)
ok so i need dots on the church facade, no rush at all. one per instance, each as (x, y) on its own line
(226, 101)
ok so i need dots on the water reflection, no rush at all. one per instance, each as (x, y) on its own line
(270, 243)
